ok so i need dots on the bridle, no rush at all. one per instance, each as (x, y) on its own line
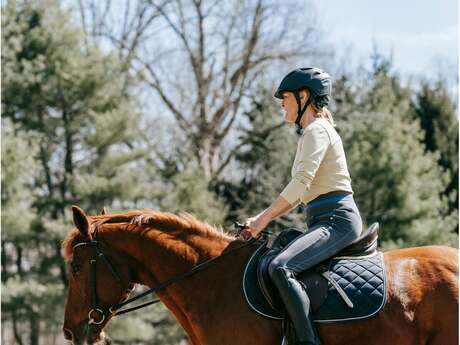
(97, 253)
(115, 310)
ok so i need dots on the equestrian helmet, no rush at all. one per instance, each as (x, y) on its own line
(317, 82)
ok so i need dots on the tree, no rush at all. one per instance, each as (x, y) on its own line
(396, 182)
(435, 110)
(70, 134)
(222, 48)
(18, 173)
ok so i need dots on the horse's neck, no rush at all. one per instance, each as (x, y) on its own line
(161, 256)
(165, 253)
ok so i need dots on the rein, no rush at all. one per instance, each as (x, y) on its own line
(114, 310)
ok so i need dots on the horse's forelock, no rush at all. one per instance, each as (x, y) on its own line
(70, 241)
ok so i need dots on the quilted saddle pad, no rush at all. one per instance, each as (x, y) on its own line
(362, 279)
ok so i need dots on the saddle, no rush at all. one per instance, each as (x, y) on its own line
(348, 286)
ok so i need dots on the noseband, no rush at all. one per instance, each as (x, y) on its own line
(114, 310)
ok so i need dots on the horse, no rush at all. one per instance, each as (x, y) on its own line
(149, 247)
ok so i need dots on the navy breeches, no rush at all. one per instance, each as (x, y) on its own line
(333, 223)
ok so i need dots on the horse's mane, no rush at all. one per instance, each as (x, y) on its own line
(163, 221)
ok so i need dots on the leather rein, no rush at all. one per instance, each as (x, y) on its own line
(115, 310)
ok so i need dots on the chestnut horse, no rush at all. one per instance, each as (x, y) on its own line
(148, 248)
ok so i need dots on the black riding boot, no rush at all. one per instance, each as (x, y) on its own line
(297, 305)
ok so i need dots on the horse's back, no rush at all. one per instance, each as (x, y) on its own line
(424, 267)
(448, 253)
(424, 282)
(436, 264)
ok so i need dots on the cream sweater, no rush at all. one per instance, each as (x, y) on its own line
(319, 165)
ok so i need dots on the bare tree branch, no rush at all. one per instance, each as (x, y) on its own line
(180, 32)
(83, 21)
(221, 49)
(235, 150)
(200, 64)
(182, 121)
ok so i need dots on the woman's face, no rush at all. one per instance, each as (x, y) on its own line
(289, 105)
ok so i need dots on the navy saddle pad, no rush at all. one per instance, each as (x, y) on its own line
(361, 280)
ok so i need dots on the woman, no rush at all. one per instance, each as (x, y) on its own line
(320, 179)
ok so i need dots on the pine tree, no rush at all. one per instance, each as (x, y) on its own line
(75, 108)
(436, 112)
(396, 182)
(25, 295)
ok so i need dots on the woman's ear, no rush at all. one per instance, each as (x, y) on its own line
(80, 220)
(303, 94)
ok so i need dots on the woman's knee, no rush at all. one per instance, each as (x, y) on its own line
(275, 265)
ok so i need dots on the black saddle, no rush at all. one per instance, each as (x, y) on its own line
(352, 280)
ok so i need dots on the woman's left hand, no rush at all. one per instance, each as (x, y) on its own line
(256, 224)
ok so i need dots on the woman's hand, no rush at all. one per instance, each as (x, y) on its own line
(256, 224)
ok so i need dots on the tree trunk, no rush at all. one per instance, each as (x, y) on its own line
(4, 264)
(19, 259)
(34, 329)
(17, 334)
(2, 333)
(68, 159)
(62, 269)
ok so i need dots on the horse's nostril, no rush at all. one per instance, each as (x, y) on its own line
(68, 334)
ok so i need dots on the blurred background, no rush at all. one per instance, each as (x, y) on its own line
(169, 105)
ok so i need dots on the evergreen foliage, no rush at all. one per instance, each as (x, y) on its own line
(262, 165)
(396, 182)
(18, 173)
(70, 136)
(188, 191)
(436, 112)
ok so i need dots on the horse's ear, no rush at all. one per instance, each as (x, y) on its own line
(80, 220)
(104, 211)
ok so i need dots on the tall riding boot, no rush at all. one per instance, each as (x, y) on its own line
(297, 306)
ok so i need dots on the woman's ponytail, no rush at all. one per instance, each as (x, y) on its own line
(324, 113)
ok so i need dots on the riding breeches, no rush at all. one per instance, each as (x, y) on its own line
(333, 222)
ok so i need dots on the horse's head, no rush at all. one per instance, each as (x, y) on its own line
(98, 278)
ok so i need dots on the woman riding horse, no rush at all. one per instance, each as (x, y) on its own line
(107, 254)
(320, 179)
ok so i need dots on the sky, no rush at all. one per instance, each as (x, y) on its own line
(421, 35)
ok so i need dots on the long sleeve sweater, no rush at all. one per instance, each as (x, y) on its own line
(319, 166)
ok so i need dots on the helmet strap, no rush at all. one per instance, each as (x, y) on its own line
(300, 112)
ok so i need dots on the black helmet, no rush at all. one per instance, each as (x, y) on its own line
(315, 80)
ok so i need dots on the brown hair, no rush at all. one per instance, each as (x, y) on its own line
(321, 112)
(324, 113)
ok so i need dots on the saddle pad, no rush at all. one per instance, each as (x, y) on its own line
(363, 280)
